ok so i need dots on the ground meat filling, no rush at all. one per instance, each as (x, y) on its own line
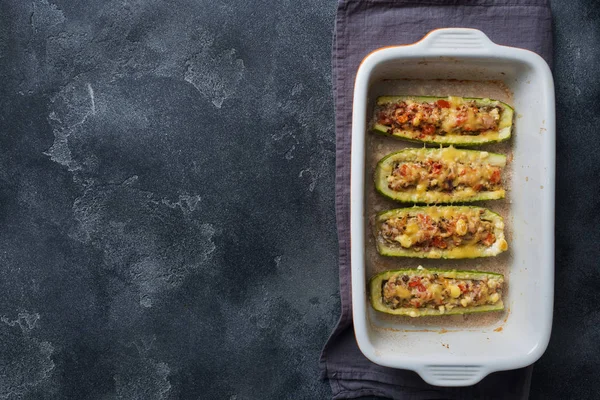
(429, 290)
(420, 232)
(440, 117)
(444, 177)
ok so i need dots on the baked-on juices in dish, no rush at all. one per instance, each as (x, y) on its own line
(440, 232)
(464, 121)
(420, 292)
(445, 175)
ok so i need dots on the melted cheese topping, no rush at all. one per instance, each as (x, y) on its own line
(459, 234)
(443, 174)
(444, 292)
(456, 116)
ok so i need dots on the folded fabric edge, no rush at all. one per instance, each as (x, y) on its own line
(468, 3)
(389, 379)
(345, 318)
(354, 394)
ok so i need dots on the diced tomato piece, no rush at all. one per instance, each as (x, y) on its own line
(424, 218)
(462, 287)
(416, 281)
(478, 187)
(495, 178)
(436, 168)
(404, 170)
(489, 239)
(439, 242)
(443, 104)
(428, 130)
(421, 288)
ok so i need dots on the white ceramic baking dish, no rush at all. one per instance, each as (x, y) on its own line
(462, 357)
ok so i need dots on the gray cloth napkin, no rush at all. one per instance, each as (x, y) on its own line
(361, 27)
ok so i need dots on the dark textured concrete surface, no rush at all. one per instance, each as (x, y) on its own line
(569, 368)
(167, 220)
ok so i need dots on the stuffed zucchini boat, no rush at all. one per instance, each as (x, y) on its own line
(462, 121)
(440, 232)
(445, 175)
(420, 292)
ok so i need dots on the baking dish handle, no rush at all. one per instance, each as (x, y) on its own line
(457, 39)
(453, 375)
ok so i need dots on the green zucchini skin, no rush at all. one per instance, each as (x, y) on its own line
(386, 164)
(375, 285)
(395, 250)
(504, 128)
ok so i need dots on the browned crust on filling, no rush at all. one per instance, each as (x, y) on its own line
(421, 232)
(440, 117)
(444, 177)
(433, 291)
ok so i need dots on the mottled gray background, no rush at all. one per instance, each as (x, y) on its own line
(167, 223)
